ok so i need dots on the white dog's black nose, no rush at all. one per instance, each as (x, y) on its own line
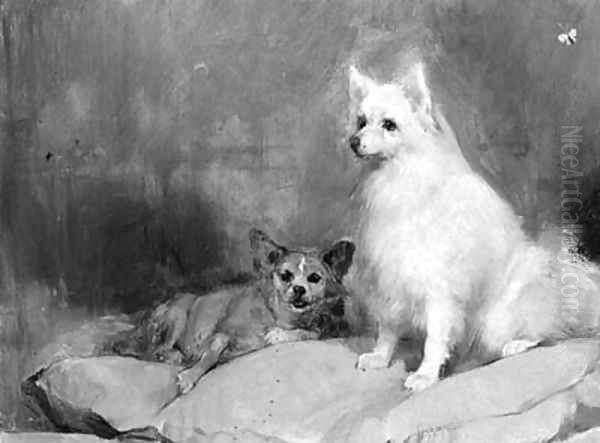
(355, 143)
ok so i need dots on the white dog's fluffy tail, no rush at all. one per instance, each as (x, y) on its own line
(546, 293)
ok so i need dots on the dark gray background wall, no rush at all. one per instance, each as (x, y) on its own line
(141, 139)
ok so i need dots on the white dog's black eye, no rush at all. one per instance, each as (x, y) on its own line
(389, 124)
(361, 122)
(314, 278)
(286, 276)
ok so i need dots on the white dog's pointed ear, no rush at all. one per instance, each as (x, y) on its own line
(360, 84)
(415, 86)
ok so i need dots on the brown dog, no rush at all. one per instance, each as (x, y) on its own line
(298, 295)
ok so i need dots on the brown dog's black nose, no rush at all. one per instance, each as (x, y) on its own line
(355, 143)
(299, 291)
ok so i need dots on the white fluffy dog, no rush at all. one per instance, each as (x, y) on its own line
(439, 251)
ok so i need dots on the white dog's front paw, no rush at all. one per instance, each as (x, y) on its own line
(416, 382)
(371, 360)
(517, 346)
(277, 335)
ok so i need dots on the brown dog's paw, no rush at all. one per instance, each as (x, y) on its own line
(277, 335)
(186, 380)
(372, 360)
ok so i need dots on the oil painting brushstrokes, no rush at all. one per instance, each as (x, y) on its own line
(142, 140)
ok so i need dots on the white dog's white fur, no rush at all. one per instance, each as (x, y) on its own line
(441, 252)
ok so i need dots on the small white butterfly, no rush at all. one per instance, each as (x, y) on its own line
(568, 38)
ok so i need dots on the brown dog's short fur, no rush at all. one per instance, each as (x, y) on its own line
(298, 295)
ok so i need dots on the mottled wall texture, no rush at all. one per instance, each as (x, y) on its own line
(141, 139)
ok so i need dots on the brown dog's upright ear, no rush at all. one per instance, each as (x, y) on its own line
(339, 258)
(265, 252)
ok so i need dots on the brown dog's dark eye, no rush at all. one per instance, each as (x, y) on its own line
(361, 122)
(389, 124)
(314, 278)
(286, 276)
